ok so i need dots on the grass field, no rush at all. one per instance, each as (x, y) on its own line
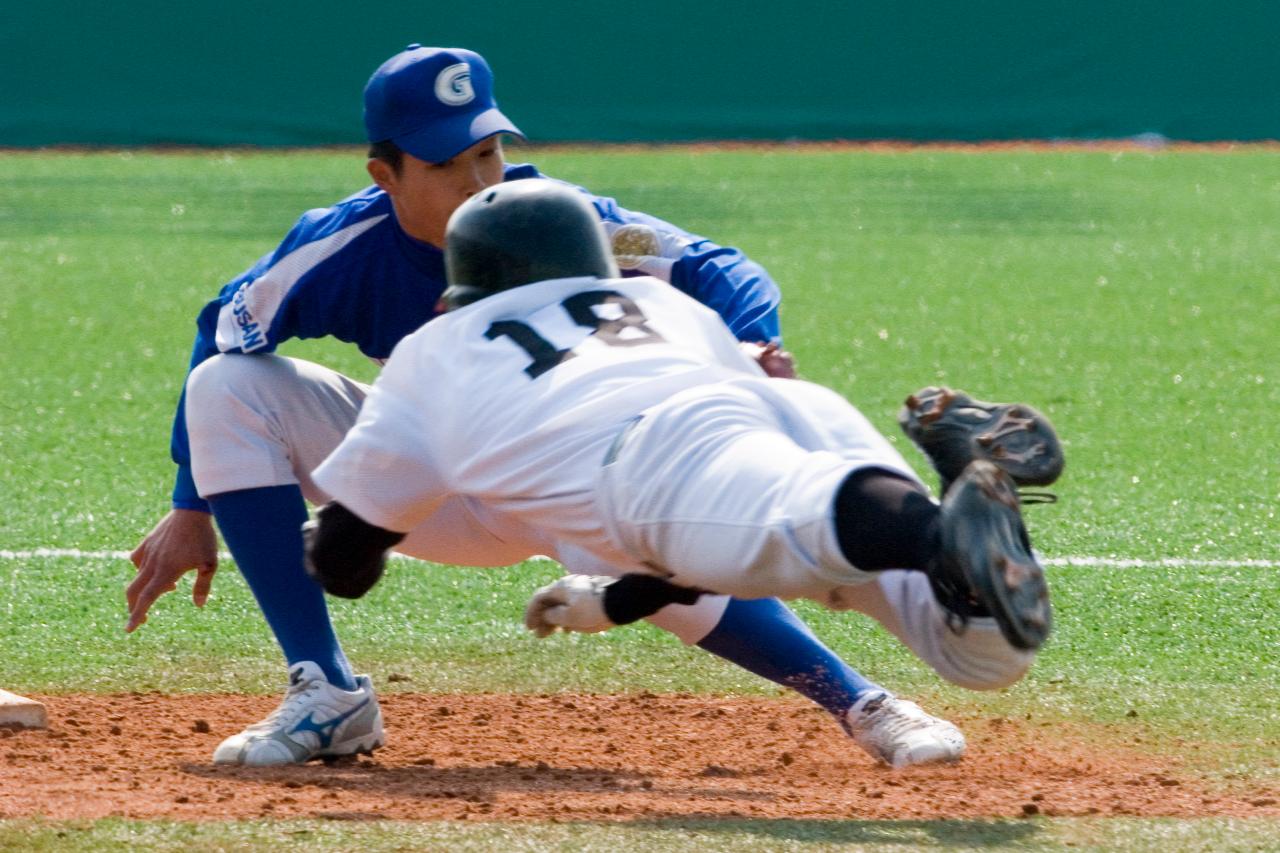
(1133, 296)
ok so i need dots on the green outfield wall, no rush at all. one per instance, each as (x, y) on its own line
(291, 73)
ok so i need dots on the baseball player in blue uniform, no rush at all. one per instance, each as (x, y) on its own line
(251, 425)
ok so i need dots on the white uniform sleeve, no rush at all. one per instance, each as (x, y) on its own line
(385, 470)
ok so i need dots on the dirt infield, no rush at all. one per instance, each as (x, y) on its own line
(576, 757)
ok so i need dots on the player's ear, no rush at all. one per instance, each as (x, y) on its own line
(383, 175)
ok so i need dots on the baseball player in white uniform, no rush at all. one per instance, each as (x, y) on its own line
(621, 421)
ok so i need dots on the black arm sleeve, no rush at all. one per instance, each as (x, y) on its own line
(344, 553)
(633, 597)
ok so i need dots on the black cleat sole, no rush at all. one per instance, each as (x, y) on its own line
(953, 429)
(983, 534)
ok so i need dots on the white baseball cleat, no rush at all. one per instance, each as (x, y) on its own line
(900, 733)
(315, 720)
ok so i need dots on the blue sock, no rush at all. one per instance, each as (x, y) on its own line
(263, 529)
(764, 636)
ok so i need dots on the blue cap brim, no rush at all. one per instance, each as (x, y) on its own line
(443, 140)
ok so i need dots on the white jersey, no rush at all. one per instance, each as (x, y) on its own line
(513, 404)
(514, 400)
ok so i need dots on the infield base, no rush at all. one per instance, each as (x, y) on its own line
(20, 712)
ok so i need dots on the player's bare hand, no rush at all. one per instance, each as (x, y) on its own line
(572, 603)
(773, 359)
(183, 541)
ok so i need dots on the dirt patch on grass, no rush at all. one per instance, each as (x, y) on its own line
(579, 757)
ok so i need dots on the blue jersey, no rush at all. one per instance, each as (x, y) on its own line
(349, 271)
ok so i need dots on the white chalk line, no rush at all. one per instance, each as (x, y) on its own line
(1081, 561)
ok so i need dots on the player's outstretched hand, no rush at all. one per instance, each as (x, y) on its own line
(573, 603)
(776, 362)
(183, 540)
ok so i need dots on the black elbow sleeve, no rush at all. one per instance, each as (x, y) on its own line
(634, 596)
(344, 553)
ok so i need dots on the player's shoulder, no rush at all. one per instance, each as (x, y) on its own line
(655, 294)
(365, 209)
(638, 283)
(520, 171)
(367, 203)
(645, 285)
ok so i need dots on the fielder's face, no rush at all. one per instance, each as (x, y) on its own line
(425, 195)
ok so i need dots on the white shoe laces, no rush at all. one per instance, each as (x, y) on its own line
(898, 717)
(290, 708)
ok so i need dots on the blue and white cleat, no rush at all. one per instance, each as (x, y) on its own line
(315, 720)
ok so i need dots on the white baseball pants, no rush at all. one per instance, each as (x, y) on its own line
(731, 487)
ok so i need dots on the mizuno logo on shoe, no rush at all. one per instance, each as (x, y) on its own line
(325, 730)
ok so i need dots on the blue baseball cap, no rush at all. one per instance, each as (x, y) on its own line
(433, 102)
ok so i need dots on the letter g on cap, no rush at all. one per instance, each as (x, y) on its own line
(453, 85)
